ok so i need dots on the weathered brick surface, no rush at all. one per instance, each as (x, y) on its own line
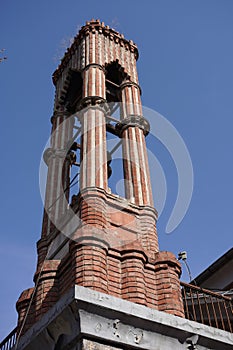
(22, 308)
(129, 270)
(46, 280)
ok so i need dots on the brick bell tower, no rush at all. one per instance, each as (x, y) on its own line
(95, 238)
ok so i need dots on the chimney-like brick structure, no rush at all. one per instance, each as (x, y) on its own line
(97, 239)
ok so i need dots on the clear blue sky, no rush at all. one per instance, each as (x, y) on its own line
(185, 70)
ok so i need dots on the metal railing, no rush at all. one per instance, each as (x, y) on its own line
(207, 307)
(9, 342)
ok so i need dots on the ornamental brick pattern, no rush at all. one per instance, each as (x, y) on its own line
(113, 248)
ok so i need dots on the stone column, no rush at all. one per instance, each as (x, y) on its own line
(58, 177)
(134, 127)
(93, 171)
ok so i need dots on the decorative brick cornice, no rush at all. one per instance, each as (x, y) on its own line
(48, 270)
(24, 298)
(94, 26)
(115, 200)
(165, 260)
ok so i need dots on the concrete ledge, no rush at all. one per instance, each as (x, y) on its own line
(86, 314)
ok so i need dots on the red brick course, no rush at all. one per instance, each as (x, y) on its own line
(129, 271)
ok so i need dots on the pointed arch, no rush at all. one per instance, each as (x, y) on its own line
(115, 75)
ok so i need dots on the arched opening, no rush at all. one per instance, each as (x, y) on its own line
(72, 91)
(114, 77)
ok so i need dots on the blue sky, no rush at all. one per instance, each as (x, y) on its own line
(185, 71)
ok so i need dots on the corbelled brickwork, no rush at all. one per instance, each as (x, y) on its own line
(110, 243)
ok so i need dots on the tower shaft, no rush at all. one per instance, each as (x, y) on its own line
(98, 239)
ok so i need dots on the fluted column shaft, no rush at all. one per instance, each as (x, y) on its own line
(136, 169)
(58, 176)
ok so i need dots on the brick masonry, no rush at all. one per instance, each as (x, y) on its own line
(95, 260)
(115, 249)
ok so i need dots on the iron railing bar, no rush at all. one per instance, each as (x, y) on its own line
(207, 310)
(186, 304)
(193, 306)
(203, 290)
(200, 307)
(214, 313)
(207, 307)
(9, 342)
(220, 313)
(227, 316)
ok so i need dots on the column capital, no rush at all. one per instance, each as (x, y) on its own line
(61, 112)
(54, 153)
(134, 121)
(93, 102)
(94, 65)
(129, 84)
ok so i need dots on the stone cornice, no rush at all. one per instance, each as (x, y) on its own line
(83, 313)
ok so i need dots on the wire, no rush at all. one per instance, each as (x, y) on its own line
(66, 189)
(188, 269)
(31, 299)
(75, 183)
(71, 181)
(69, 144)
(189, 272)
